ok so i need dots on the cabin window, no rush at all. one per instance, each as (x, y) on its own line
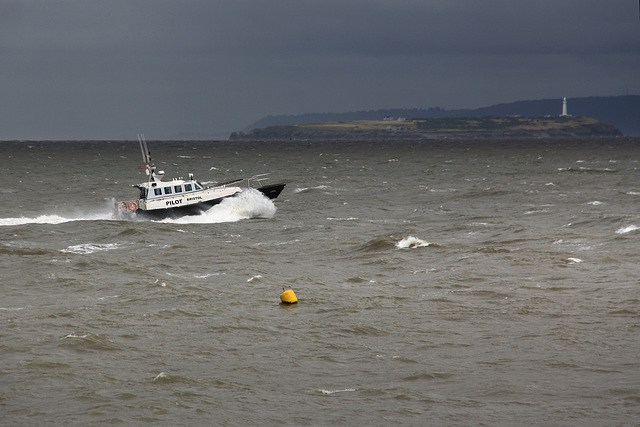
(178, 188)
(187, 187)
(198, 186)
(167, 190)
(157, 191)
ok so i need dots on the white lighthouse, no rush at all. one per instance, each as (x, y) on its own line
(564, 107)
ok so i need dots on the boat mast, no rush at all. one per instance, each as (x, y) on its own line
(146, 156)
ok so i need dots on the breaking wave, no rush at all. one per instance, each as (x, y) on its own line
(412, 242)
(249, 204)
(89, 248)
(344, 390)
(627, 229)
(392, 242)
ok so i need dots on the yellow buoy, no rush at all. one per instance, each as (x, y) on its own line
(288, 297)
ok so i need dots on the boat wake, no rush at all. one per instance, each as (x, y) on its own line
(57, 219)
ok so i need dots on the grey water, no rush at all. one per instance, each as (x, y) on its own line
(478, 282)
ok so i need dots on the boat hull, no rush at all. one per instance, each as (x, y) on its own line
(272, 191)
(177, 212)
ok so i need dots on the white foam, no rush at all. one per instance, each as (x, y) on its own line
(412, 242)
(89, 248)
(324, 391)
(627, 229)
(108, 297)
(574, 260)
(319, 187)
(250, 203)
(103, 213)
(161, 376)
(206, 276)
(76, 336)
(42, 219)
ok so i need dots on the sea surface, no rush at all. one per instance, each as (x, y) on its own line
(444, 283)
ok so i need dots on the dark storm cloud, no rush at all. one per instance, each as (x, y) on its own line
(110, 69)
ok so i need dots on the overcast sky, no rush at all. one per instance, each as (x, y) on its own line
(96, 69)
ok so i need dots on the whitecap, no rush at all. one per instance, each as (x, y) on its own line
(595, 203)
(324, 391)
(412, 242)
(257, 277)
(161, 283)
(89, 248)
(206, 276)
(627, 229)
(108, 297)
(574, 260)
(161, 376)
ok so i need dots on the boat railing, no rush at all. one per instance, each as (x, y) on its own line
(256, 180)
(234, 181)
(252, 182)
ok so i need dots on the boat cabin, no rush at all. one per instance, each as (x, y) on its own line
(156, 189)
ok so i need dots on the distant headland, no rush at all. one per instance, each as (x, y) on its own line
(589, 116)
(455, 127)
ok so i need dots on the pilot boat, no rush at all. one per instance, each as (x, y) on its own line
(179, 197)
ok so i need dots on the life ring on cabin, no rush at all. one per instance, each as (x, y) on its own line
(122, 206)
(133, 206)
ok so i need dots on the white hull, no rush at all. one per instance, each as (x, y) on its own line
(188, 199)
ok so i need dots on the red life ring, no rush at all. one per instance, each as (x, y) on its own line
(133, 206)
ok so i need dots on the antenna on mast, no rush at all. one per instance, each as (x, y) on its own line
(146, 157)
(149, 168)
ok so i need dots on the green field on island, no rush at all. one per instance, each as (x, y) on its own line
(454, 124)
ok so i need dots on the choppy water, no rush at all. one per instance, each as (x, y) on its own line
(440, 283)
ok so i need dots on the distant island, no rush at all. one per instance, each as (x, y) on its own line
(436, 128)
(622, 112)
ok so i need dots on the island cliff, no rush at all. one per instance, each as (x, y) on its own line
(399, 128)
